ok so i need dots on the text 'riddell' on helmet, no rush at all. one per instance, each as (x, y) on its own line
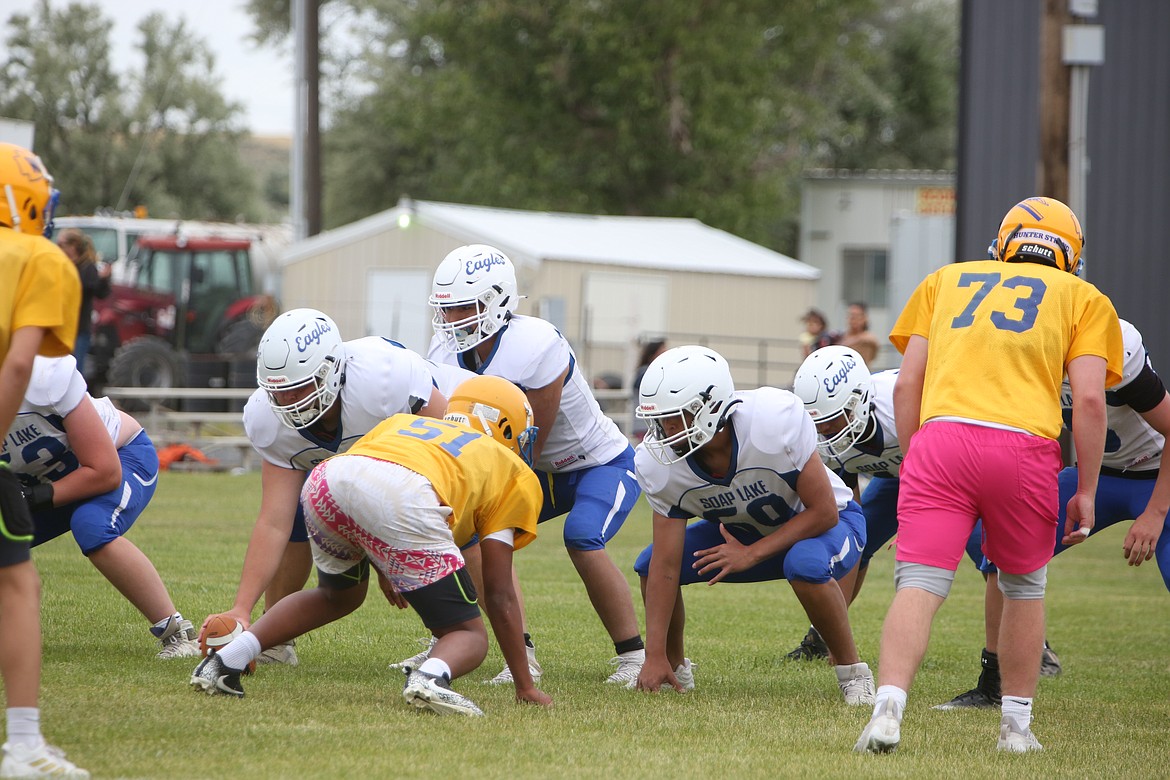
(1041, 230)
(28, 199)
(497, 407)
(834, 383)
(299, 364)
(478, 277)
(685, 397)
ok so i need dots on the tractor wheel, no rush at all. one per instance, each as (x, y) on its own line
(147, 361)
(239, 341)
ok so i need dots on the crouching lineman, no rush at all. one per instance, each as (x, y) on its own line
(404, 498)
(747, 464)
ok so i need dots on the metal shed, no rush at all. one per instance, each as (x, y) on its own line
(605, 281)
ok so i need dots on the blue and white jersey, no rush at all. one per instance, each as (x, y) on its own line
(447, 378)
(36, 445)
(1131, 444)
(773, 438)
(531, 353)
(880, 455)
(381, 379)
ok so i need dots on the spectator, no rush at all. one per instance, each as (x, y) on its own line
(857, 337)
(95, 283)
(650, 350)
(816, 332)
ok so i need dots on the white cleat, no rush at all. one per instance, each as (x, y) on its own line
(628, 664)
(415, 661)
(882, 734)
(1013, 739)
(856, 683)
(426, 691)
(505, 676)
(42, 760)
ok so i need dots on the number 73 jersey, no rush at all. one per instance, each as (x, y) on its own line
(486, 485)
(1000, 337)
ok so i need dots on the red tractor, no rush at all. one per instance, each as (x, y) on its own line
(183, 313)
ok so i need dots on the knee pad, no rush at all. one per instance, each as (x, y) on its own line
(931, 579)
(1024, 586)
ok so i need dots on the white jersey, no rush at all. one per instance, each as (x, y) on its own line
(380, 379)
(774, 437)
(447, 378)
(36, 444)
(531, 353)
(880, 455)
(1131, 444)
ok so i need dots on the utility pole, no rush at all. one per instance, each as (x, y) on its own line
(306, 154)
(1052, 177)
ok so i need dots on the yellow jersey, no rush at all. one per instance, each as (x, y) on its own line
(487, 486)
(1001, 336)
(39, 287)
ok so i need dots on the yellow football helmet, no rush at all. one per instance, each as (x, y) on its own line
(498, 408)
(1041, 230)
(29, 198)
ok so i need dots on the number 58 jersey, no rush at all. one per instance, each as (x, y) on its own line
(1001, 335)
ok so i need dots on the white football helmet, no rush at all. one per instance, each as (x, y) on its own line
(477, 275)
(835, 382)
(301, 347)
(692, 384)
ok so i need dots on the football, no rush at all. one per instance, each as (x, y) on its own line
(219, 631)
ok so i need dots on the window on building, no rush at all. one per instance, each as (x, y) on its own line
(865, 275)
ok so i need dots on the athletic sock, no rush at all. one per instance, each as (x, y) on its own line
(886, 694)
(24, 726)
(1019, 708)
(528, 640)
(629, 645)
(436, 667)
(241, 651)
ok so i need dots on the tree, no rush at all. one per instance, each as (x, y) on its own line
(163, 136)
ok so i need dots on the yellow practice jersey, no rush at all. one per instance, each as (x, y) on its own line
(39, 287)
(1001, 335)
(486, 485)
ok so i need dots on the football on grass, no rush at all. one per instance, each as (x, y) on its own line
(220, 630)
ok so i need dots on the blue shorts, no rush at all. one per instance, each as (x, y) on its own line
(831, 555)
(879, 502)
(300, 532)
(99, 520)
(1117, 499)
(598, 499)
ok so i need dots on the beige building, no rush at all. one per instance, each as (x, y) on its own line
(606, 282)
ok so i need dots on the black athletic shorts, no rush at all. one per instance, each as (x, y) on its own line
(16, 521)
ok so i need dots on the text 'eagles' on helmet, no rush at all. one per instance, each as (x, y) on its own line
(497, 407)
(29, 198)
(1041, 230)
(685, 398)
(835, 385)
(299, 364)
(478, 276)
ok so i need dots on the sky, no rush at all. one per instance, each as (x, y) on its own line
(259, 78)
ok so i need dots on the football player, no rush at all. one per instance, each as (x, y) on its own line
(317, 395)
(746, 463)
(985, 345)
(90, 469)
(854, 414)
(1134, 483)
(40, 295)
(404, 498)
(585, 464)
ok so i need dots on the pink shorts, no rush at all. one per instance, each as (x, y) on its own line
(956, 473)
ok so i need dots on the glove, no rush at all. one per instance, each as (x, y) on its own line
(38, 496)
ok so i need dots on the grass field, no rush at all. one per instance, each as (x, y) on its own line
(120, 712)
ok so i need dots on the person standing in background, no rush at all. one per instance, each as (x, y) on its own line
(816, 333)
(95, 283)
(858, 336)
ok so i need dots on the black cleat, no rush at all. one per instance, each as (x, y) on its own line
(811, 648)
(1049, 663)
(214, 678)
(973, 699)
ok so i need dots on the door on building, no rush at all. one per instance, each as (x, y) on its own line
(396, 307)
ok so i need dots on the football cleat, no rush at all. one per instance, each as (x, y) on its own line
(415, 661)
(986, 693)
(429, 692)
(214, 678)
(976, 699)
(285, 653)
(505, 676)
(684, 673)
(811, 648)
(178, 640)
(628, 664)
(856, 683)
(883, 732)
(41, 760)
(1013, 739)
(1049, 662)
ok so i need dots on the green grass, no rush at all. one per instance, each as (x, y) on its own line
(121, 713)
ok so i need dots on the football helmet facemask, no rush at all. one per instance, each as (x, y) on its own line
(475, 275)
(28, 199)
(834, 382)
(690, 384)
(1041, 230)
(301, 349)
(497, 407)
